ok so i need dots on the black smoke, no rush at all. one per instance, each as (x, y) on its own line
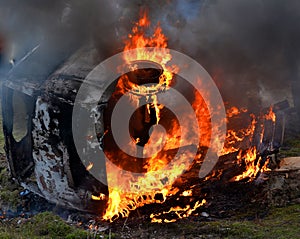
(251, 48)
(57, 28)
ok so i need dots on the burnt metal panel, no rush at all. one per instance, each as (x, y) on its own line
(19, 153)
(45, 161)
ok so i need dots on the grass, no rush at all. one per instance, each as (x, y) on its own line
(9, 190)
(281, 223)
(42, 226)
(293, 148)
(1, 133)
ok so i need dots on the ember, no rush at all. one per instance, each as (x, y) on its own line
(180, 212)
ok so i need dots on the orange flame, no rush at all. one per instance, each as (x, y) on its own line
(234, 111)
(233, 137)
(90, 166)
(100, 197)
(187, 193)
(252, 167)
(158, 41)
(135, 191)
(180, 212)
(252, 162)
(271, 115)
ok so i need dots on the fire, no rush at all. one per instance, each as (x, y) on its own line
(90, 166)
(187, 193)
(157, 107)
(233, 137)
(271, 115)
(234, 111)
(252, 163)
(179, 212)
(158, 41)
(100, 197)
(252, 168)
(113, 204)
(129, 191)
(250, 158)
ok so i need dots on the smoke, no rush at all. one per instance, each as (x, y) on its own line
(251, 48)
(57, 27)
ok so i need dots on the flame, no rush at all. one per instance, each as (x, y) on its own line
(90, 166)
(187, 193)
(157, 107)
(132, 191)
(252, 162)
(265, 168)
(271, 115)
(180, 212)
(158, 41)
(100, 197)
(252, 167)
(234, 111)
(114, 202)
(249, 158)
(233, 137)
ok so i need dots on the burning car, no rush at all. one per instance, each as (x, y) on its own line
(43, 158)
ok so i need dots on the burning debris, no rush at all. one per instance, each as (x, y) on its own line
(46, 162)
(250, 148)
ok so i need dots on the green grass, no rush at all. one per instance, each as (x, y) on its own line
(1, 133)
(293, 148)
(44, 225)
(281, 223)
(9, 190)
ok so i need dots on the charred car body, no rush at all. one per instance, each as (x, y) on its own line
(42, 155)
